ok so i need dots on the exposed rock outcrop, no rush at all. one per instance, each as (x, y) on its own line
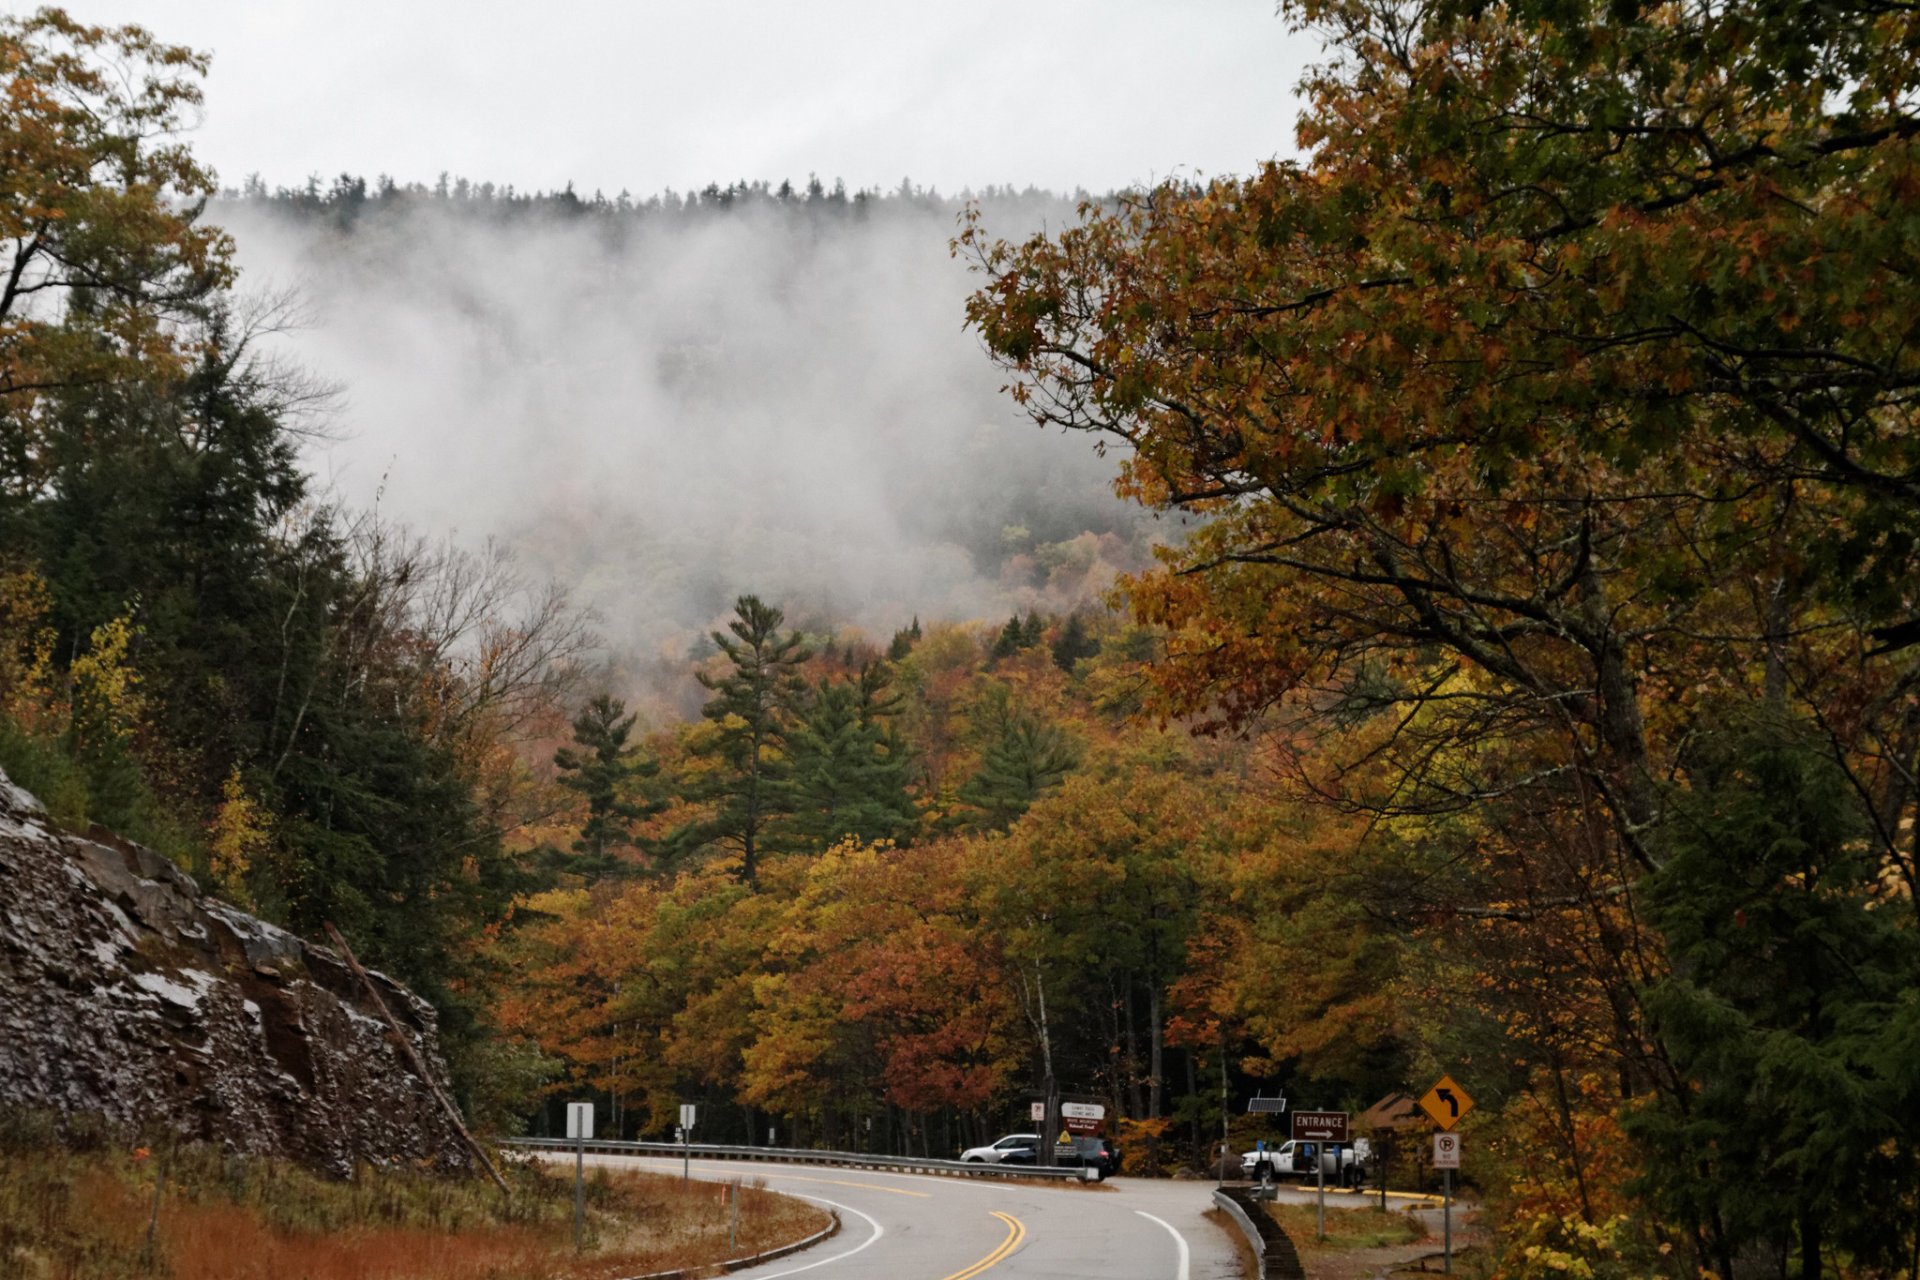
(127, 993)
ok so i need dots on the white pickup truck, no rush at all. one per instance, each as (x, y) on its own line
(1296, 1160)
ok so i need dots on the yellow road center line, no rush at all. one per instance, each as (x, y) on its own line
(1016, 1232)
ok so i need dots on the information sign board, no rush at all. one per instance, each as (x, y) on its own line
(1320, 1126)
(580, 1121)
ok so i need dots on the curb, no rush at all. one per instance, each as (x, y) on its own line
(736, 1264)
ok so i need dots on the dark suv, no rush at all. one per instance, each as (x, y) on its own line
(1080, 1151)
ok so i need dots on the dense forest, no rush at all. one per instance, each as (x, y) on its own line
(1530, 692)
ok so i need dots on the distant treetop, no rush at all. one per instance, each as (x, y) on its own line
(349, 196)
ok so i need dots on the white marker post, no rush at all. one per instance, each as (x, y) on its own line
(1446, 1158)
(580, 1130)
(687, 1114)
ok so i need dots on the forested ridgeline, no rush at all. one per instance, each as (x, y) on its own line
(347, 198)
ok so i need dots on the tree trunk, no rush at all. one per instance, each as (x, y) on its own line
(1156, 1050)
(1809, 1243)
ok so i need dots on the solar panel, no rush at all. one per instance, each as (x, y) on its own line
(1266, 1105)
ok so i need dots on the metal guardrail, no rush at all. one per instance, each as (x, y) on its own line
(1274, 1254)
(798, 1155)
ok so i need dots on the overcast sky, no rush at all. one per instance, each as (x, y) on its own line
(649, 94)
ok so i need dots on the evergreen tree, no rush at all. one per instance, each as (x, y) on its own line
(603, 768)
(903, 641)
(1072, 644)
(751, 711)
(1033, 630)
(849, 771)
(1022, 757)
(1008, 642)
(1789, 1019)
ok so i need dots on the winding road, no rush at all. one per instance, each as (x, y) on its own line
(902, 1226)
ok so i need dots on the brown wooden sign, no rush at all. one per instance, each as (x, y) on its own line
(1320, 1126)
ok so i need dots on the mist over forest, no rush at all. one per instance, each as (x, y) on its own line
(663, 404)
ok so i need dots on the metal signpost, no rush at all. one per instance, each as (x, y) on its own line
(580, 1130)
(1446, 1158)
(1447, 1103)
(688, 1112)
(1326, 1130)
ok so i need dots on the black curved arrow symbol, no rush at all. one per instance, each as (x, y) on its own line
(1446, 1096)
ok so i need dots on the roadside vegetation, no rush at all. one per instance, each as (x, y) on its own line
(1347, 1227)
(86, 1209)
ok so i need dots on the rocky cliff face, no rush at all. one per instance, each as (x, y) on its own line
(127, 993)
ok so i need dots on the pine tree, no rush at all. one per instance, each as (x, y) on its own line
(1033, 630)
(1022, 757)
(1073, 644)
(601, 767)
(849, 771)
(1789, 1016)
(751, 712)
(1008, 642)
(904, 640)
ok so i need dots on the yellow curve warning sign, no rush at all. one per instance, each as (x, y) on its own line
(1446, 1102)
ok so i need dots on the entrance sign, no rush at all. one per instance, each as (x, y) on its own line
(1447, 1103)
(1446, 1151)
(580, 1120)
(1082, 1117)
(1320, 1126)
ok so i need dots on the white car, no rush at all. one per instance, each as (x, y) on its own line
(1001, 1149)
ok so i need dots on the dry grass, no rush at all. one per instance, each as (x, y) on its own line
(83, 1215)
(1346, 1228)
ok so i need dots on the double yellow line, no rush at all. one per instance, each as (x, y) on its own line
(1016, 1232)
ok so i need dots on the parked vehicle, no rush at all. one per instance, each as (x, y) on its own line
(1014, 1144)
(1297, 1160)
(1079, 1152)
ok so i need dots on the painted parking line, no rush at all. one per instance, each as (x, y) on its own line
(1016, 1232)
(1178, 1239)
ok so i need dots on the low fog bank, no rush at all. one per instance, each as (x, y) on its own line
(663, 412)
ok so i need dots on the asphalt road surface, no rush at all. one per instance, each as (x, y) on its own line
(902, 1226)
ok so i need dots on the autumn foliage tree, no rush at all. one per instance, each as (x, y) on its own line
(104, 264)
(1562, 395)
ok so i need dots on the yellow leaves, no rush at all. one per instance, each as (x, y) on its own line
(26, 646)
(237, 836)
(107, 704)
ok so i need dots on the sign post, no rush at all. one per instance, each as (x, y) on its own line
(1326, 1130)
(688, 1112)
(1446, 1158)
(580, 1129)
(1447, 1103)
